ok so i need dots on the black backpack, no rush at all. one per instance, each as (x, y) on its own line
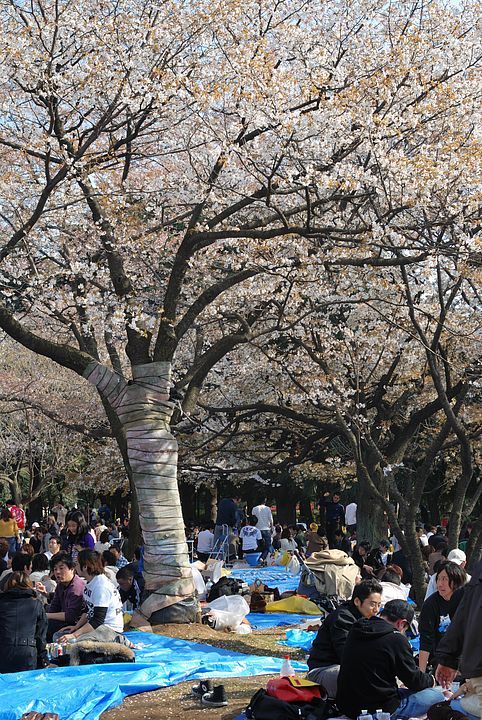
(224, 586)
(264, 707)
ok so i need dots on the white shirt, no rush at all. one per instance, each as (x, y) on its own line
(289, 545)
(205, 541)
(265, 517)
(250, 536)
(391, 591)
(423, 540)
(100, 592)
(350, 514)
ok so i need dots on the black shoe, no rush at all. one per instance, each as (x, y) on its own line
(215, 698)
(202, 687)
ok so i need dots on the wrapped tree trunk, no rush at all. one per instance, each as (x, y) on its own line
(144, 410)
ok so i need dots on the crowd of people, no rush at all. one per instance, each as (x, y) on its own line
(63, 580)
(68, 579)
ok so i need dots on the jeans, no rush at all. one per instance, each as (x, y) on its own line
(414, 704)
(267, 543)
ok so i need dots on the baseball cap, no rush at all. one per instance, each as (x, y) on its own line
(399, 610)
(457, 556)
(35, 525)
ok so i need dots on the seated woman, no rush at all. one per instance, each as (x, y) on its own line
(40, 574)
(23, 626)
(103, 621)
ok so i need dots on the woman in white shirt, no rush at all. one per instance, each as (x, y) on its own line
(103, 620)
(287, 542)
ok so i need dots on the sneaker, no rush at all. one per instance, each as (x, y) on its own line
(202, 687)
(215, 698)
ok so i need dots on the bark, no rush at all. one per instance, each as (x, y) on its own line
(144, 411)
(213, 492)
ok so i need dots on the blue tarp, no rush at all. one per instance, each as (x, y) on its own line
(299, 638)
(83, 693)
(273, 576)
(261, 621)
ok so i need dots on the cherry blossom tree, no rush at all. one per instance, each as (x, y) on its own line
(168, 172)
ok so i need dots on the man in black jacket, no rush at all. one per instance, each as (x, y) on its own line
(376, 654)
(326, 652)
(462, 643)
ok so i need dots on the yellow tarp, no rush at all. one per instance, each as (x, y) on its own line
(294, 604)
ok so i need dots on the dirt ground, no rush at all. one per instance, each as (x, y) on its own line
(176, 702)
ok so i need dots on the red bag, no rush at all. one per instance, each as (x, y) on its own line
(293, 689)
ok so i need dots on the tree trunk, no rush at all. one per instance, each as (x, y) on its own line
(213, 494)
(371, 521)
(474, 545)
(144, 410)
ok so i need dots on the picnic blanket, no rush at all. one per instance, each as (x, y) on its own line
(86, 691)
(262, 621)
(273, 576)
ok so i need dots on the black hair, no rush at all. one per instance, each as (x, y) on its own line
(40, 562)
(62, 557)
(108, 558)
(253, 520)
(104, 536)
(125, 573)
(366, 588)
(20, 562)
(456, 574)
(364, 544)
(384, 542)
(398, 610)
(391, 576)
(82, 527)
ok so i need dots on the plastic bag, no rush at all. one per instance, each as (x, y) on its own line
(228, 612)
(293, 567)
(283, 558)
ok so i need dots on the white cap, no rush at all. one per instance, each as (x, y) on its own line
(457, 556)
(35, 524)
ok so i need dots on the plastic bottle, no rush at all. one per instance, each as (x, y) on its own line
(286, 669)
(365, 715)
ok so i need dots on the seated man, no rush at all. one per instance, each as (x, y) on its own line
(68, 601)
(393, 588)
(326, 652)
(376, 654)
(130, 586)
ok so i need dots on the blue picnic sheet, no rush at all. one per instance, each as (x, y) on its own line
(273, 576)
(84, 692)
(262, 621)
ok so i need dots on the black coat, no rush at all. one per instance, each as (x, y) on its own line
(375, 655)
(464, 636)
(23, 630)
(327, 648)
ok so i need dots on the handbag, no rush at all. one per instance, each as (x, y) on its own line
(293, 689)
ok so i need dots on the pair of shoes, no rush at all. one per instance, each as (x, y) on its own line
(210, 696)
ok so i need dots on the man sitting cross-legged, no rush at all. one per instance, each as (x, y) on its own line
(326, 652)
(376, 654)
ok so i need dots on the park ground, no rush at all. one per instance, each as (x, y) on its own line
(176, 702)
